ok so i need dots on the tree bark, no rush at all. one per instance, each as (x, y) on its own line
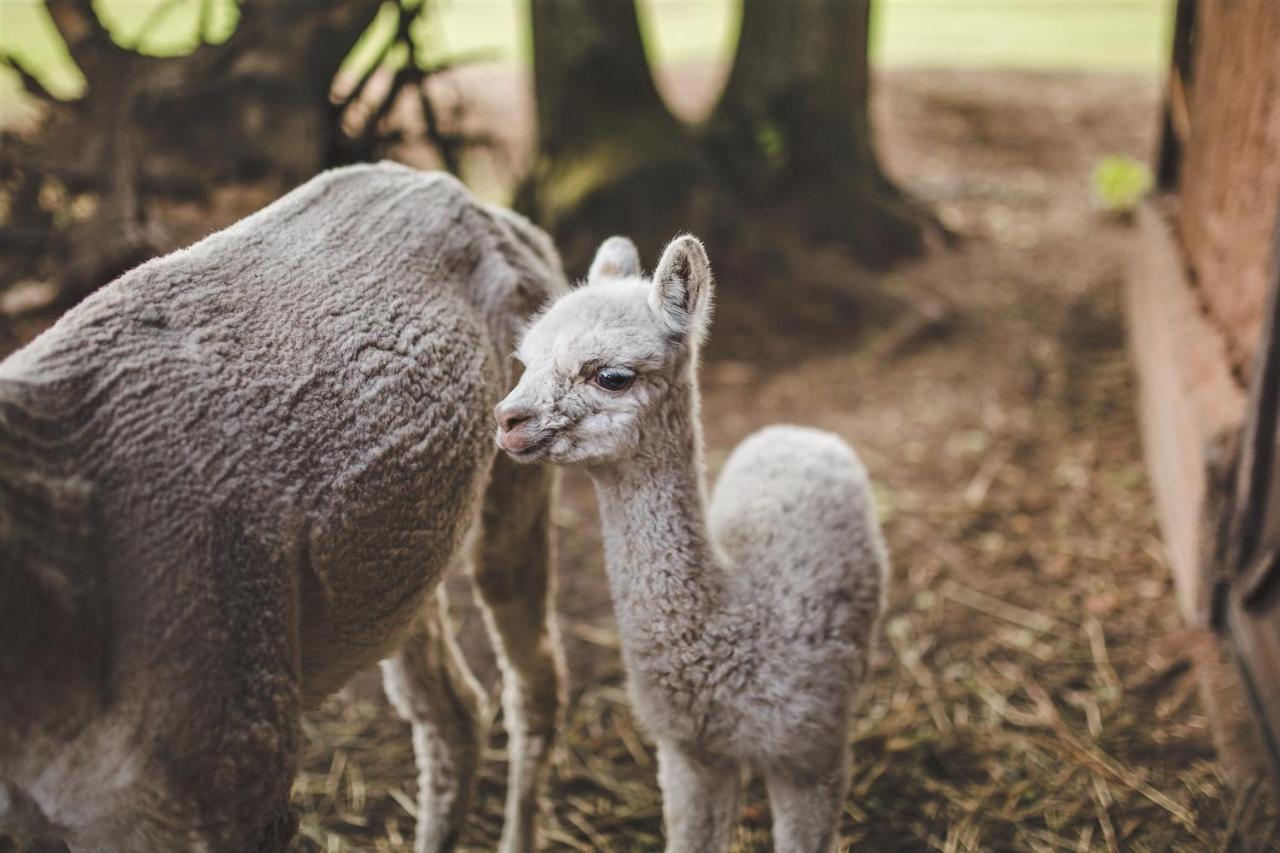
(611, 157)
(793, 125)
(590, 72)
(789, 143)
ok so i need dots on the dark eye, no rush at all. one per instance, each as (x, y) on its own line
(614, 378)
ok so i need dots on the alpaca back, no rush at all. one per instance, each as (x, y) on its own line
(794, 512)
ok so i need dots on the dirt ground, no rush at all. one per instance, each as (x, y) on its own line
(1033, 689)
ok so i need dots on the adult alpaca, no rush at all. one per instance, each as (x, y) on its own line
(745, 629)
(230, 479)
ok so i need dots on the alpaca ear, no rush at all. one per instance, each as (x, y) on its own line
(681, 293)
(616, 258)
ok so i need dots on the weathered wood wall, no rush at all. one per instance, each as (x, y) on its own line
(1204, 328)
(1230, 175)
(1189, 404)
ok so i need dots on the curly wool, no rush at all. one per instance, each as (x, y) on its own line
(253, 458)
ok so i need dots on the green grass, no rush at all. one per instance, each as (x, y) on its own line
(1090, 35)
(1084, 35)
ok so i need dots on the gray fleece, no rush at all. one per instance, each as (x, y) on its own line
(227, 481)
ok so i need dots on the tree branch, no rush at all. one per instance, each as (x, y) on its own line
(402, 77)
(30, 83)
(445, 144)
(85, 36)
(357, 91)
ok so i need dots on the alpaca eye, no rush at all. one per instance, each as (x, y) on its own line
(614, 378)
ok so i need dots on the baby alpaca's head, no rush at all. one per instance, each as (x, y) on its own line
(605, 362)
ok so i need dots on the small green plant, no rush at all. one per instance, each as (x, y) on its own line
(1120, 182)
(774, 145)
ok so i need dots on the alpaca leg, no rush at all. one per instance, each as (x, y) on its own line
(430, 685)
(513, 575)
(806, 806)
(699, 799)
(232, 749)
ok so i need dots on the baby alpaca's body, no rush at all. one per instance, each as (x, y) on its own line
(745, 626)
(747, 649)
(769, 679)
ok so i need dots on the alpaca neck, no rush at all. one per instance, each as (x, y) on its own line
(663, 570)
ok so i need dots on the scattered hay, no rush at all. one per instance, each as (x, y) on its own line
(1033, 689)
(1027, 740)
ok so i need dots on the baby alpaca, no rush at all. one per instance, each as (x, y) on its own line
(745, 626)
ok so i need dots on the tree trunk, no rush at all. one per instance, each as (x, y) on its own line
(611, 158)
(590, 72)
(790, 142)
(793, 126)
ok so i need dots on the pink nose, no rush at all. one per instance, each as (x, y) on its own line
(511, 417)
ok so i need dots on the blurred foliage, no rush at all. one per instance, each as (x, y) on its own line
(424, 33)
(169, 27)
(1120, 182)
(175, 28)
(773, 144)
(1098, 35)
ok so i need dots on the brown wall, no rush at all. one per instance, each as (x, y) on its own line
(1230, 185)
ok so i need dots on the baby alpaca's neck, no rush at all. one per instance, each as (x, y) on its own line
(663, 569)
